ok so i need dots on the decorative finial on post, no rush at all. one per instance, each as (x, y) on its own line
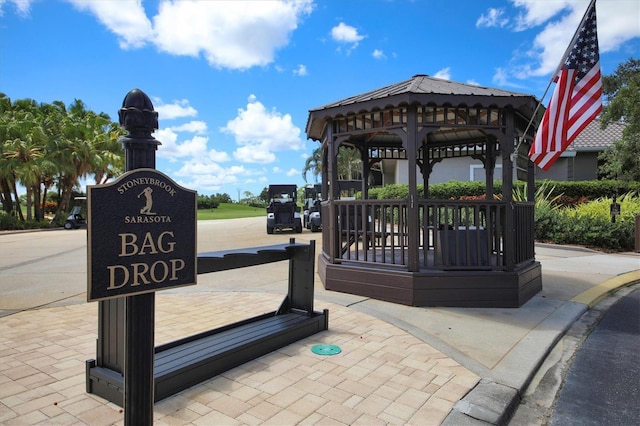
(139, 119)
(137, 115)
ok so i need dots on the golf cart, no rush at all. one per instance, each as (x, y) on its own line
(349, 188)
(312, 200)
(75, 219)
(283, 211)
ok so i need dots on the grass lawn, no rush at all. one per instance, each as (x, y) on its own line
(231, 211)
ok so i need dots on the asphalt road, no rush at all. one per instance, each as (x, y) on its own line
(49, 268)
(602, 386)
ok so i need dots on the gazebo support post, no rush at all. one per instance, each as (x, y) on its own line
(489, 165)
(364, 158)
(413, 264)
(506, 148)
(332, 179)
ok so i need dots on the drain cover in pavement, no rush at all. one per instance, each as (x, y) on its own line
(326, 349)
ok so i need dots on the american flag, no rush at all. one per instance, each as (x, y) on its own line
(577, 97)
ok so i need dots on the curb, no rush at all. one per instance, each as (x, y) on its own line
(595, 294)
(494, 403)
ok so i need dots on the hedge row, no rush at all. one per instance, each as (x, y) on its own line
(572, 192)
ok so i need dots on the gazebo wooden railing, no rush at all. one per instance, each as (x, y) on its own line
(453, 235)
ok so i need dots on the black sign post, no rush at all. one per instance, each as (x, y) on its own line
(141, 239)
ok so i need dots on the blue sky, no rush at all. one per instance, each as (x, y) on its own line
(233, 82)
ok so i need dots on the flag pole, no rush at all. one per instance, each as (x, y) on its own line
(553, 77)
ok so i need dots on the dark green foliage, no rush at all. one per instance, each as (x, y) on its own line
(213, 201)
(594, 189)
(10, 222)
(457, 189)
(622, 93)
(572, 192)
(207, 202)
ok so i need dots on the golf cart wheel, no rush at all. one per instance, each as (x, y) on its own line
(314, 227)
(299, 229)
(269, 229)
(68, 225)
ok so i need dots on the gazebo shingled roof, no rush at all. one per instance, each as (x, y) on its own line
(419, 88)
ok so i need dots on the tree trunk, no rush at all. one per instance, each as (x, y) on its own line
(7, 201)
(64, 203)
(29, 202)
(38, 207)
(18, 208)
(64, 195)
(44, 198)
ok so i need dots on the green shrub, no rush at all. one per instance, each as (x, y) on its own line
(10, 223)
(456, 189)
(548, 223)
(394, 192)
(590, 224)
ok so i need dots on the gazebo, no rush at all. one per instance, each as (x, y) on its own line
(420, 251)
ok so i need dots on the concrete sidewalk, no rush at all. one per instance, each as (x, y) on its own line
(398, 365)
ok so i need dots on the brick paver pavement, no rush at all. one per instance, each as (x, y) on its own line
(383, 375)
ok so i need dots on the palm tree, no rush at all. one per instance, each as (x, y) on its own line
(7, 177)
(349, 164)
(23, 149)
(313, 164)
(110, 162)
(49, 143)
(81, 142)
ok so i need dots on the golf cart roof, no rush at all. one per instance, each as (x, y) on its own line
(288, 191)
(282, 189)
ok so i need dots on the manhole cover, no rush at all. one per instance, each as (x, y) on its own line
(326, 349)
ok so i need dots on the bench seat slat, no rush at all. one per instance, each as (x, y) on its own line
(216, 344)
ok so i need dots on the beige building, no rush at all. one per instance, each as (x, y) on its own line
(578, 162)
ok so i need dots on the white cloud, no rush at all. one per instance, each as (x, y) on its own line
(22, 7)
(293, 172)
(211, 176)
(343, 33)
(172, 150)
(218, 156)
(260, 133)
(444, 74)
(501, 78)
(177, 109)
(617, 24)
(191, 127)
(254, 154)
(197, 147)
(493, 18)
(301, 70)
(228, 34)
(378, 54)
(125, 19)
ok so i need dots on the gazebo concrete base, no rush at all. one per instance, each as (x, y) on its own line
(471, 288)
